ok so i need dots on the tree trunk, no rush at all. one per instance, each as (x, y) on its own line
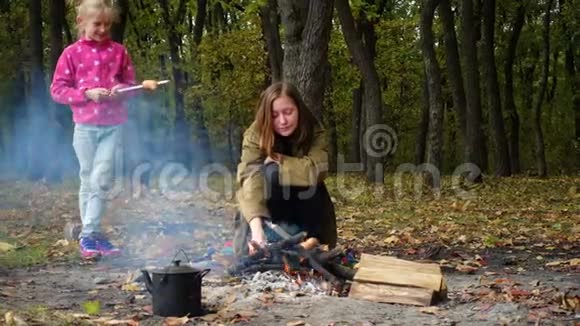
(118, 30)
(56, 112)
(306, 48)
(67, 32)
(330, 123)
(423, 126)
(510, 106)
(571, 72)
(200, 128)
(183, 150)
(502, 159)
(293, 14)
(453, 65)
(372, 98)
(537, 120)
(37, 97)
(475, 142)
(270, 24)
(355, 127)
(433, 74)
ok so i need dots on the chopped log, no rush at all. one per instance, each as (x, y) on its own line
(386, 261)
(395, 276)
(391, 294)
(393, 271)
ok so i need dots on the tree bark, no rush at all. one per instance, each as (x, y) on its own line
(200, 128)
(571, 72)
(270, 25)
(183, 150)
(502, 159)
(372, 98)
(453, 65)
(37, 96)
(537, 120)
(118, 30)
(306, 48)
(475, 140)
(423, 126)
(56, 112)
(510, 106)
(433, 74)
(293, 15)
(356, 121)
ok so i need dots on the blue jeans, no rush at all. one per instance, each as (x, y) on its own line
(95, 148)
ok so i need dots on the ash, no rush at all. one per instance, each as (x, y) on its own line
(304, 283)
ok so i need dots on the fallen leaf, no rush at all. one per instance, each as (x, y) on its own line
(575, 262)
(175, 321)
(210, 317)
(555, 263)
(61, 243)
(570, 301)
(92, 307)
(6, 247)
(129, 322)
(131, 287)
(296, 323)
(12, 320)
(432, 310)
(391, 240)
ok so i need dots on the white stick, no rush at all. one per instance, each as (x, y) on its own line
(131, 88)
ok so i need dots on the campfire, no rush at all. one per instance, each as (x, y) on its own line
(377, 278)
(298, 263)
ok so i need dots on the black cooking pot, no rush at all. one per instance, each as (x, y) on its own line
(175, 290)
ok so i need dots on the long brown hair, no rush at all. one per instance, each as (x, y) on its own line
(304, 133)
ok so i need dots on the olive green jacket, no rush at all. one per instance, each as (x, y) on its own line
(298, 170)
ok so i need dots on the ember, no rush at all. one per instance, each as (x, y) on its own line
(313, 268)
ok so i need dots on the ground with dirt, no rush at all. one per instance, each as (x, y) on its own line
(508, 261)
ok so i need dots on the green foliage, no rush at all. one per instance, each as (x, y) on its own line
(232, 72)
(227, 71)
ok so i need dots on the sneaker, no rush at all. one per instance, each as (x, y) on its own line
(106, 248)
(88, 248)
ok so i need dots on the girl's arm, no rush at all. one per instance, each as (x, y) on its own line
(126, 76)
(63, 87)
(307, 170)
(251, 199)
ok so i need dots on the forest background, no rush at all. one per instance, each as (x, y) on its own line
(440, 82)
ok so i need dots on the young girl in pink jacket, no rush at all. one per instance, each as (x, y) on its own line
(88, 75)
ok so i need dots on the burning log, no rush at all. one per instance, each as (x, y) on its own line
(275, 257)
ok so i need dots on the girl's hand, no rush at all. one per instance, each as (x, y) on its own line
(149, 84)
(277, 158)
(258, 236)
(97, 94)
(115, 91)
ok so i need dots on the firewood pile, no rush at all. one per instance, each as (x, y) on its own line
(375, 278)
(288, 256)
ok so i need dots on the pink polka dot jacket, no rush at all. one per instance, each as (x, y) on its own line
(88, 64)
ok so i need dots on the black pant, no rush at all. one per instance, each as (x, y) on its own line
(310, 208)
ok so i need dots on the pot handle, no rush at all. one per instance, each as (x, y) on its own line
(203, 273)
(181, 251)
